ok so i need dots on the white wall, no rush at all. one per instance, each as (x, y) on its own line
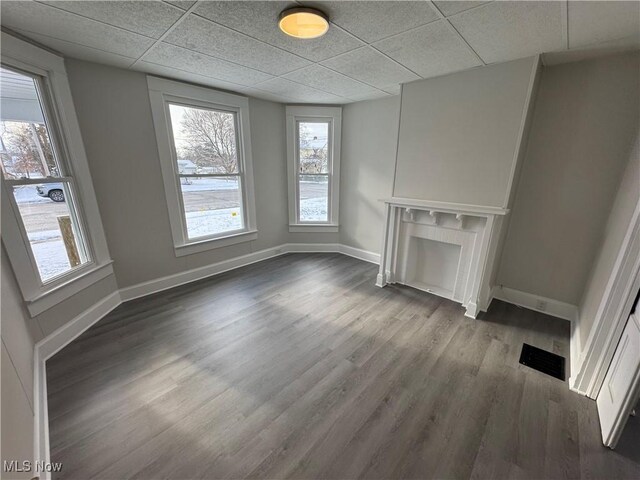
(114, 113)
(369, 140)
(459, 134)
(585, 120)
(624, 205)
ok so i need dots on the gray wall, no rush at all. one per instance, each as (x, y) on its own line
(611, 241)
(117, 128)
(369, 140)
(17, 372)
(459, 134)
(585, 120)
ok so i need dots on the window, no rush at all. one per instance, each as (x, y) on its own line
(51, 225)
(36, 178)
(206, 164)
(313, 136)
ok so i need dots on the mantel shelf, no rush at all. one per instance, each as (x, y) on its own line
(446, 207)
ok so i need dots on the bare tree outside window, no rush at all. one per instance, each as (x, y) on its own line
(26, 150)
(209, 140)
(205, 142)
(313, 151)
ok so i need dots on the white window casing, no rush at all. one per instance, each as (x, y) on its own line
(162, 94)
(49, 72)
(313, 114)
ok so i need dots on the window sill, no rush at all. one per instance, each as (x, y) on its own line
(50, 298)
(210, 244)
(315, 228)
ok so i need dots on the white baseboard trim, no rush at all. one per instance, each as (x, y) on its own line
(170, 281)
(553, 307)
(311, 247)
(360, 254)
(45, 349)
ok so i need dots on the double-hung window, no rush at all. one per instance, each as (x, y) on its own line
(51, 225)
(205, 152)
(313, 157)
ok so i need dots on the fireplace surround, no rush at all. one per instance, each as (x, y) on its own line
(447, 249)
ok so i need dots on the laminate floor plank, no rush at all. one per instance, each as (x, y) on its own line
(299, 367)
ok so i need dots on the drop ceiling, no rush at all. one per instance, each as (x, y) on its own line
(370, 49)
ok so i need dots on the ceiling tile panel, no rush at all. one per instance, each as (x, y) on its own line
(298, 92)
(371, 21)
(194, 62)
(260, 20)
(430, 50)
(181, 75)
(263, 94)
(501, 31)
(201, 35)
(44, 20)
(150, 18)
(369, 96)
(451, 7)
(73, 50)
(371, 67)
(600, 22)
(322, 78)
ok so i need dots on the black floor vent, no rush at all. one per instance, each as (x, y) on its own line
(543, 361)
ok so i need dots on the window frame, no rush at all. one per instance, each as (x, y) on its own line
(163, 93)
(49, 72)
(332, 116)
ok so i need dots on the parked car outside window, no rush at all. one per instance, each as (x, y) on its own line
(54, 191)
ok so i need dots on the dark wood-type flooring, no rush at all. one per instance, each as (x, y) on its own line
(299, 367)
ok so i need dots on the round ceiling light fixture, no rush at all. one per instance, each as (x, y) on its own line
(303, 22)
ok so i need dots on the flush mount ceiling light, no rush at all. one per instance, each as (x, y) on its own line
(303, 22)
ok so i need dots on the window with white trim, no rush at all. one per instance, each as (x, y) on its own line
(37, 179)
(205, 152)
(313, 157)
(51, 226)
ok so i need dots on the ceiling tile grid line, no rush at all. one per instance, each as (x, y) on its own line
(455, 30)
(184, 15)
(244, 34)
(373, 49)
(478, 4)
(382, 53)
(286, 77)
(58, 6)
(257, 86)
(239, 85)
(283, 75)
(344, 75)
(27, 33)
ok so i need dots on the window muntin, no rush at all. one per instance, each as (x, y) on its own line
(42, 190)
(314, 165)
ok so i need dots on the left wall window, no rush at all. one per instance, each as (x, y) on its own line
(37, 179)
(51, 226)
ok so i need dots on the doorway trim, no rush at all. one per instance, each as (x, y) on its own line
(613, 312)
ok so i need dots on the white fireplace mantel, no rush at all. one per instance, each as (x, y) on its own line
(462, 241)
(446, 207)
